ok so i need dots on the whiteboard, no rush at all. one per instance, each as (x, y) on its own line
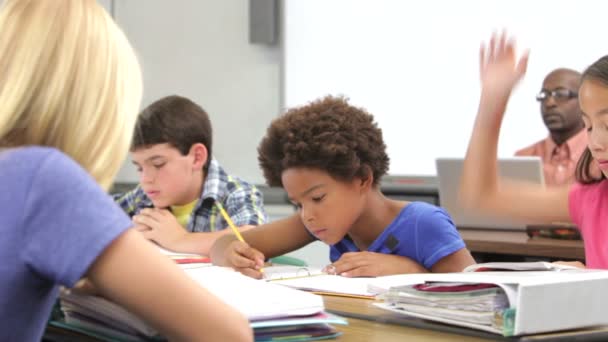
(414, 64)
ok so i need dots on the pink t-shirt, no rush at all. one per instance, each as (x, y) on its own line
(588, 206)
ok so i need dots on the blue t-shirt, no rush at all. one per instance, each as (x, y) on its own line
(54, 222)
(422, 232)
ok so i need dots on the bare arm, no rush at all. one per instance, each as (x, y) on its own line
(265, 241)
(481, 188)
(370, 264)
(198, 242)
(279, 237)
(133, 274)
(454, 262)
(160, 226)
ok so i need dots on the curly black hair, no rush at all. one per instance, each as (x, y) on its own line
(327, 134)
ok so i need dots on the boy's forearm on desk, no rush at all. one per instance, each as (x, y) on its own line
(198, 242)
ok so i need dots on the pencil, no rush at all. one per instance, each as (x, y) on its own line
(231, 224)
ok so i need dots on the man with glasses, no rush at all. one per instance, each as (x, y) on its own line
(561, 114)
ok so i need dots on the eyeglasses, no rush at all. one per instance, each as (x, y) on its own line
(557, 94)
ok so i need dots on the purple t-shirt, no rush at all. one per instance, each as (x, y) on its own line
(54, 222)
(422, 232)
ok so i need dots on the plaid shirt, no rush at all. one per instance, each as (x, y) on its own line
(242, 201)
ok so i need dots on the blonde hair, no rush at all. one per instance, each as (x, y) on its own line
(69, 79)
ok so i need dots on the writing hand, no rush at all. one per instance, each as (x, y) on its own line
(245, 259)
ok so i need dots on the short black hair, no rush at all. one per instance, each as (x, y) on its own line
(175, 120)
(327, 134)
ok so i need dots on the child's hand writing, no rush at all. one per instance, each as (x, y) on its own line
(244, 259)
(500, 69)
(160, 226)
(370, 264)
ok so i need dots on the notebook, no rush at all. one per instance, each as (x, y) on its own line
(285, 272)
(506, 303)
(313, 279)
(186, 260)
(268, 307)
(518, 266)
(449, 172)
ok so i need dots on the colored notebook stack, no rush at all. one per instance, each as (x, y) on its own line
(480, 305)
(275, 312)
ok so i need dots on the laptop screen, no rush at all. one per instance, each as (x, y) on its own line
(449, 171)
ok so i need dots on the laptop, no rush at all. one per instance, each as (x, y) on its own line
(449, 170)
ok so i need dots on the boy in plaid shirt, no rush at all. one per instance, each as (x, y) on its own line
(181, 184)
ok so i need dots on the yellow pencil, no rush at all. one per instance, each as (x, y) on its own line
(231, 224)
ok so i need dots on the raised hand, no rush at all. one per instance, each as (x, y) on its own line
(499, 67)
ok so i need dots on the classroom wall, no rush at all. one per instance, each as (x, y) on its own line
(415, 65)
(200, 49)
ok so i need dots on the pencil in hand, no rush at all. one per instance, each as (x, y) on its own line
(235, 230)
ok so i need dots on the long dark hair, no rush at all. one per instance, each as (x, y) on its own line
(597, 71)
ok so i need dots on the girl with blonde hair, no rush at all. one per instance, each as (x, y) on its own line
(70, 88)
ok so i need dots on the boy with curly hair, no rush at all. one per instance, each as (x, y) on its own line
(329, 157)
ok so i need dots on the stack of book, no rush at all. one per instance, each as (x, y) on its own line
(479, 305)
(537, 298)
(274, 311)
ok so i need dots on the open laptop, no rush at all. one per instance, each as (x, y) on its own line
(449, 171)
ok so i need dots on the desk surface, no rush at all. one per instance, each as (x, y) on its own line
(518, 243)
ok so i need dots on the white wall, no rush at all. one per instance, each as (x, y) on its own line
(200, 49)
(107, 4)
(415, 64)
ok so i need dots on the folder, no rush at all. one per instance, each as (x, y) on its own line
(517, 266)
(536, 301)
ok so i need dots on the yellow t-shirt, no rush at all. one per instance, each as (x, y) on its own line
(182, 212)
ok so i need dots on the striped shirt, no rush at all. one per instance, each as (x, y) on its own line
(242, 201)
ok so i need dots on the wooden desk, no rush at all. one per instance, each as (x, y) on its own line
(518, 243)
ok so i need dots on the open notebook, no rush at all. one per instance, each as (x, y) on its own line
(315, 280)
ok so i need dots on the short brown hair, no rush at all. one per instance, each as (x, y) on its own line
(597, 71)
(174, 120)
(327, 134)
